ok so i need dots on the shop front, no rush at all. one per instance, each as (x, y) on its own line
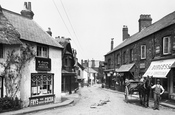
(163, 70)
(124, 73)
(42, 83)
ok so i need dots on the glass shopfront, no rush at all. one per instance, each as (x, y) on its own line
(42, 90)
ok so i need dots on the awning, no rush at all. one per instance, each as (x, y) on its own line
(159, 69)
(125, 68)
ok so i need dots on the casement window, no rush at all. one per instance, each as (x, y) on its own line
(42, 51)
(41, 84)
(166, 45)
(143, 51)
(1, 51)
(131, 55)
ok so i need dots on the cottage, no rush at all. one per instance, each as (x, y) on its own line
(41, 76)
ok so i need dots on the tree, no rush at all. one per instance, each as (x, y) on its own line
(13, 67)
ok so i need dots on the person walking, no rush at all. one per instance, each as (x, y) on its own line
(158, 90)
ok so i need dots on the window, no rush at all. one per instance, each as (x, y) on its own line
(166, 45)
(124, 57)
(42, 84)
(143, 51)
(1, 51)
(1, 86)
(109, 63)
(131, 55)
(118, 58)
(42, 51)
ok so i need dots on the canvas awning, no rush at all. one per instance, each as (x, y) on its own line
(125, 68)
(159, 69)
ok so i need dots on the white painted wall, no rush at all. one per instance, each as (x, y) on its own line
(55, 54)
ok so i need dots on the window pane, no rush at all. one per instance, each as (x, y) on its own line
(38, 51)
(41, 84)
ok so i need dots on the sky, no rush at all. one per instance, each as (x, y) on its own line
(92, 23)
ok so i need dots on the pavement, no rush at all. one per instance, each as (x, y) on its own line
(68, 99)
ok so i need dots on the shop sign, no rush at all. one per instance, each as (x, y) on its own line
(41, 100)
(43, 64)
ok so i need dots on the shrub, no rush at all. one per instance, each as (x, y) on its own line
(8, 103)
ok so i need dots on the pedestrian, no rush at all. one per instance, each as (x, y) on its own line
(158, 90)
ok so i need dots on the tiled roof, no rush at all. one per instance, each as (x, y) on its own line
(160, 24)
(8, 34)
(29, 30)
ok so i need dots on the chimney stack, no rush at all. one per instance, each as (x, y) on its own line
(144, 21)
(27, 11)
(49, 31)
(112, 43)
(125, 32)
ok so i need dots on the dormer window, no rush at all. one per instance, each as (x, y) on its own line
(42, 51)
(166, 45)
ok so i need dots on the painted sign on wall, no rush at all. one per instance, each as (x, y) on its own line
(43, 64)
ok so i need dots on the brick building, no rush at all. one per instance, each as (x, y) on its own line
(151, 51)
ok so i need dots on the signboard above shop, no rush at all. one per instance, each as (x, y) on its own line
(43, 64)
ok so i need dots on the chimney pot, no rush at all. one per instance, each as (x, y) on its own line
(112, 43)
(125, 32)
(144, 21)
(49, 31)
(26, 12)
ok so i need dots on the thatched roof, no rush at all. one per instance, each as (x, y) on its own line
(8, 34)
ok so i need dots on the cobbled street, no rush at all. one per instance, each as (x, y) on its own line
(95, 100)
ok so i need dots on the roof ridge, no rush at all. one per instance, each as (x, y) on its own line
(144, 32)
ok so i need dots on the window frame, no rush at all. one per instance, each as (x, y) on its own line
(124, 57)
(167, 46)
(38, 85)
(131, 55)
(44, 53)
(143, 52)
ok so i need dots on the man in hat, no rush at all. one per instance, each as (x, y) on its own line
(158, 90)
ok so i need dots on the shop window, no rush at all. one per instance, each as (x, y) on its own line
(42, 84)
(42, 51)
(165, 84)
(143, 51)
(166, 45)
(1, 51)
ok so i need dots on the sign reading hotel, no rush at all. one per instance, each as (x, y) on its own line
(43, 64)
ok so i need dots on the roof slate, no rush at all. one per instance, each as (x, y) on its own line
(29, 29)
(160, 24)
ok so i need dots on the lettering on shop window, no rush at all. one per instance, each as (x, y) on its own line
(41, 100)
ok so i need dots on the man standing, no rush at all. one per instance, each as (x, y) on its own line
(158, 90)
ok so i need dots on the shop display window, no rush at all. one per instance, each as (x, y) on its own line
(41, 84)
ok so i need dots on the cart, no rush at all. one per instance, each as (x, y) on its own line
(131, 88)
